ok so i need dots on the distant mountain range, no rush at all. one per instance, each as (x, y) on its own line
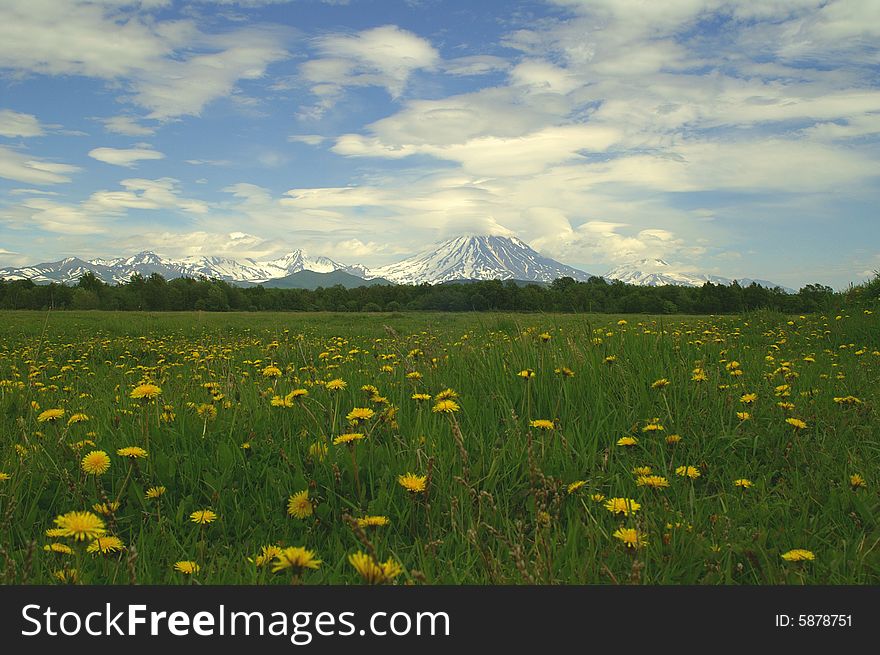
(458, 259)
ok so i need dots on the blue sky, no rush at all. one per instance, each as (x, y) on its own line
(737, 138)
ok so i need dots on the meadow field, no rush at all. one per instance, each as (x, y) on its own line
(416, 448)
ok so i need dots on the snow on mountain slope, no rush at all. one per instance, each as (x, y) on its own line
(656, 272)
(477, 258)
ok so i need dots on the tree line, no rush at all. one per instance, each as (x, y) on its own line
(155, 293)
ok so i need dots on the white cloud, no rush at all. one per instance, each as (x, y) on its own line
(127, 157)
(382, 56)
(17, 166)
(13, 124)
(169, 67)
(474, 65)
(126, 125)
(140, 193)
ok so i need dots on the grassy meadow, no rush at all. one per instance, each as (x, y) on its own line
(439, 449)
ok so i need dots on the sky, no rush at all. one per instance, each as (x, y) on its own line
(737, 138)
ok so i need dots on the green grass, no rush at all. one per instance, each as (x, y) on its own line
(497, 509)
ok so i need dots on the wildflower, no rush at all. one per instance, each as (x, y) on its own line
(610, 359)
(526, 374)
(446, 407)
(359, 414)
(373, 521)
(631, 537)
(50, 415)
(296, 558)
(203, 516)
(574, 486)
(743, 416)
(660, 384)
(446, 394)
(856, 481)
(627, 441)
(348, 438)
(96, 462)
(785, 405)
(4, 476)
(421, 396)
(318, 450)
(145, 392)
(78, 526)
(653, 427)
(748, 398)
(542, 424)
(415, 375)
(134, 452)
(653, 481)
(106, 545)
(413, 483)
(797, 423)
(267, 554)
(625, 506)
(187, 567)
(62, 549)
(207, 411)
(699, 375)
(374, 572)
(544, 336)
(848, 400)
(597, 498)
(673, 439)
(564, 371)
(299, 505)
(691, 472)
(742, 483)
(798, 555)
(106, 508)
(154, 492)
(66, 575)
(77, 418)
(336, 385)
(271, 372)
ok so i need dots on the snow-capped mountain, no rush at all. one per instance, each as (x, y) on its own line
(656, 272)
(477, 258)
(120, 269)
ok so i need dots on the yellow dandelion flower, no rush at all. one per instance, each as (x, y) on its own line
(526, 374)
(446, 407)
(348, 438)
(318, 450)
(856, 481)
(691, 472)
(631, 537)
(743, 483)
(133, 452)
(446, 394)
(797, 423)
(96, 462)
(653, 481)
(50, 415)
(106, 508)
(187, 567)
(271, 372)
(673, 439)
(374, 572)
(642, 470)
(798, 555)
(660, 384)
(79, 417)
(743, 416)
(412, 482)
(625, 506)
(748, 398)
(203, 516)
(574, 486)
(336, 385)
(105, 545)
(154, 492)
(360, 414)
(421, 396)
(299, 505)
(542, 424)
(66, 575)
(145, 392)
(295, 558)
(4, 476)
(266, 555)
(78, 526)
(373, 521)
(627, 441)
(61, 549)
